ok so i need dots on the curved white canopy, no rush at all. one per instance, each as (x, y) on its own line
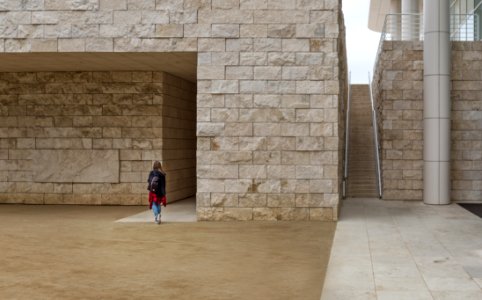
(378, 10)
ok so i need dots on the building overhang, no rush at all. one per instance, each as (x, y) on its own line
(181, 64)
(378, 10)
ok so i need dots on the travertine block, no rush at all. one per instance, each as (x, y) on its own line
(239, 72)
(281, 30)
(266, 129)
(309, 143)
(295, 158)
(71, 45)
(222, 171)
(222, 16)
(169, 30)
(225, 30)
(254, 58)
(281, 143)
(253, 31)
(309, 172)
(224, 200)
(282, 200)
(309, 200)
(266, 186)
(321, 214)
(238, 185)
(252, 200)
(76, 166)
(113, 4)
(270, 73)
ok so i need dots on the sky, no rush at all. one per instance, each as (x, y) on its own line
(362, 43)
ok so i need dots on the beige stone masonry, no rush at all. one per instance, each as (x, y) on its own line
(271, 81)
(399, 90)
(91, 137)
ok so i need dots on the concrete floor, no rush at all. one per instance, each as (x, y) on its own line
(395, 250)
(80, 252)
(179, 211)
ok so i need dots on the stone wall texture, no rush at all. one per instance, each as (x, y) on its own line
(178, 136)
(91, 137)
(270, 81)
(398, 86)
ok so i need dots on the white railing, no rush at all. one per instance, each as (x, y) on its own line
(403, 27)
(409, 27)
(376, 141)
(464, 27)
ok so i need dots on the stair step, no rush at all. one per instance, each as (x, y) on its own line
(361, 161)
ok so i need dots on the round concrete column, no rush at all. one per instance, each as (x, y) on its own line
(395, 26)
(410, 24)
(436, 110)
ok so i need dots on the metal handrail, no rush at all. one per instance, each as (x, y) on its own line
(375, 139)
(347, 135)
(476, 8)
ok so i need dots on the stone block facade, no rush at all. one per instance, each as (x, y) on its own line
(467, 122)
(398, 89)
(271, 77)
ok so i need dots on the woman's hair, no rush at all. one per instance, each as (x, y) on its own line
(158, 166)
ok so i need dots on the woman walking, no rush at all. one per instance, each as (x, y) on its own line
(156, 184)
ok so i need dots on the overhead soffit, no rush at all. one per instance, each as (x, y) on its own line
(378, 10)
(181, 64)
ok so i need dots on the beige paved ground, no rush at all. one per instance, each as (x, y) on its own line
(72, 252)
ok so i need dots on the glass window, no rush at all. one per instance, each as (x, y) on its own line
(478, 13)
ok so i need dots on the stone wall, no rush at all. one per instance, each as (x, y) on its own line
(467, 121)
(179, 137)
(268, 89)
(398, 85)
(398, 90)
(91, 137)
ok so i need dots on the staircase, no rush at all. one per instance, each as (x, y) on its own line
(362, 181)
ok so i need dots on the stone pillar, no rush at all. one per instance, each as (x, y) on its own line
(436, 112)
(410, 23)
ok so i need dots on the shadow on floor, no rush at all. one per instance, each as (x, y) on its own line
(179, 211)
(475, 208)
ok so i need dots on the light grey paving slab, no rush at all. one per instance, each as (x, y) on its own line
(350, 273)
(404, 295)
(475, 271)
(440, 266)
(451, 295)
(392, 269)
(408, 250)
(455, 284)
(478, 281)
(329, 294)
(384, 283)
